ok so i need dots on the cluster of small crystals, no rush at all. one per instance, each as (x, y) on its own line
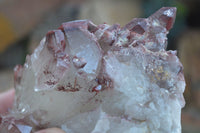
(85, 78)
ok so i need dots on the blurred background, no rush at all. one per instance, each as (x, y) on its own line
(23, 23)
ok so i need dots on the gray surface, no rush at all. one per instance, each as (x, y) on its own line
(6, 79)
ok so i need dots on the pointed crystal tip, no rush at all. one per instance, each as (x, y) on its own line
(166, 16)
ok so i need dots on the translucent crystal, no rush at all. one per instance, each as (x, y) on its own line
(85, 78)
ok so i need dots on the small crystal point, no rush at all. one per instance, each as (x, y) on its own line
(138, 25)
(166, 16)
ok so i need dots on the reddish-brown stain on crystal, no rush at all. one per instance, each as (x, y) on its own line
(138, 29)
(62, 88)
(47, 72)
(50, 82)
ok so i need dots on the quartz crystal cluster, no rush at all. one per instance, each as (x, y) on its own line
(85, 78)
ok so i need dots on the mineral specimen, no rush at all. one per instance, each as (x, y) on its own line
(85, 78)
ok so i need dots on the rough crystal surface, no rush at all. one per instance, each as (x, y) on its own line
(85, 78)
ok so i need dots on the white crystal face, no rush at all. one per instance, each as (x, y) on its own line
(85, 78)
